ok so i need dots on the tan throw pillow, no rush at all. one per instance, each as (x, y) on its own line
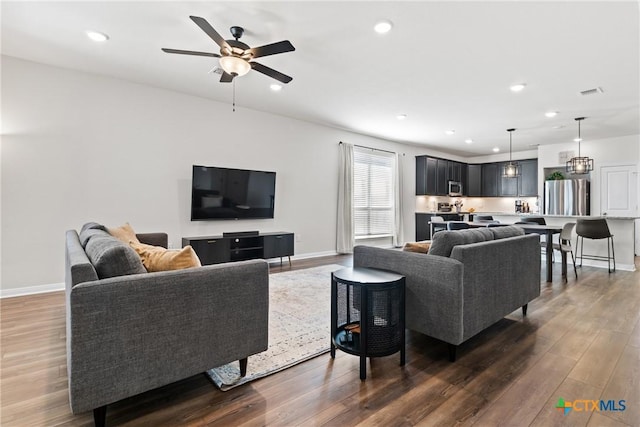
(157, 258)
(419, 247)
(124, 233)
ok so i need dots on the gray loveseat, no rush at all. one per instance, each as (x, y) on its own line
(136, 331)
(467, 281)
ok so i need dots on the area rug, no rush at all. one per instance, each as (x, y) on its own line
(299, 325)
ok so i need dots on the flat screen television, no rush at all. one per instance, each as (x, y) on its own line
(222, 193)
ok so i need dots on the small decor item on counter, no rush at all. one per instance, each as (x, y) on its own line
(458, 204)
(472, 210)
(555, 176)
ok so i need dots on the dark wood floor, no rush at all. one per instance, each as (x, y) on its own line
(580, 340)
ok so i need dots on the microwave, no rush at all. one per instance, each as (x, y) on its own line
(455, 188)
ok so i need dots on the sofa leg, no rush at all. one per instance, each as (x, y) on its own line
(524, 309)
(100, 416)
(243, 366)
(452, 352)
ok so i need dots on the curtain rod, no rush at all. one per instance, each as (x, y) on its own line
(371, 148)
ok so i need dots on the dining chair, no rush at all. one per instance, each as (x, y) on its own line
(437, 224)
(457, 225)
(595, 229)
(543, 239)
(564, 243)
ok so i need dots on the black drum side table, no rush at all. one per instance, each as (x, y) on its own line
(367, 314)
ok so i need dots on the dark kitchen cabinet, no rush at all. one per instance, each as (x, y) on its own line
(442, 188)
(426, 175)
(490, 179)
(474, 181)
(528, 184)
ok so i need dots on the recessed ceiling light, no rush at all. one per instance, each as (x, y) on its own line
(551, 113)
(97, 36)
(496, 149)
(275, 87)
(517, 87)
(401, 116)
(469, 141)
(383, 27)
(450, 132)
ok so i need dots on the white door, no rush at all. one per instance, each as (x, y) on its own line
(618, 190)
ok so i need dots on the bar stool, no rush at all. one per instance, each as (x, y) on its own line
(564, 245)
(595, 229)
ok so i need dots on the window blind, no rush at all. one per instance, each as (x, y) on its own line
(373, 196)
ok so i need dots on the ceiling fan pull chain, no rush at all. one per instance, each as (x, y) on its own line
(234, 95)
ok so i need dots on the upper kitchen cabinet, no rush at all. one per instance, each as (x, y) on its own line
(433, 175)
(426, 176)
(528, 181)
(474, 181)
(490, 179)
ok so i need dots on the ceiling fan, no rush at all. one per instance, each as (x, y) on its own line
(237, 58)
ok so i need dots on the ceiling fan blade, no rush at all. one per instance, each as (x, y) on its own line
(226, 77)
(190, 52)
(270, 72)
(272, 49)
(207, 28)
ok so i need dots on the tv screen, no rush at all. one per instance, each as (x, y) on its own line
(222, 193)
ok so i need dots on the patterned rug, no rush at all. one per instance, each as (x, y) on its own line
(299, 325)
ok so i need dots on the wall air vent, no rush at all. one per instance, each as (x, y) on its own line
(592, 91)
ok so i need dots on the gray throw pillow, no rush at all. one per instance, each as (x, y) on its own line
(88, 233)
(442, 242)
(111, 257)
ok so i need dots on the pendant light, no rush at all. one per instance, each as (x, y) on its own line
(579, 165)
(511, 169)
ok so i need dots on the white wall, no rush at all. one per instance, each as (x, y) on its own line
(79, 147)
(604, 152)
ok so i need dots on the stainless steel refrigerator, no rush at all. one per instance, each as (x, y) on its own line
(566, 197)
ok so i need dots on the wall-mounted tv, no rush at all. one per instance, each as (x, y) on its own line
(222, 193)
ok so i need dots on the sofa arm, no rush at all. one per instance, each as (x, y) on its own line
(134, 333)
(434, 291)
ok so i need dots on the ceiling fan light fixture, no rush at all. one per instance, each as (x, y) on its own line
(234, 65)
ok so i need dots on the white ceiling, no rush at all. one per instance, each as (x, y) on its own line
(446, 65)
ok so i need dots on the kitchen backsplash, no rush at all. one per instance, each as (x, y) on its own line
(480, 204)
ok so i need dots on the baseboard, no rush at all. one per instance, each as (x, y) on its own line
(31, 290)
(55, 287)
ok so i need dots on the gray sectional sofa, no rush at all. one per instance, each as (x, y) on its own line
(129, 331)
(467, 281)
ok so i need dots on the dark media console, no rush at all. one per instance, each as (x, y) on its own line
(241, 246)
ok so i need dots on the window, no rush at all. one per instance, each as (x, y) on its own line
(373, 193)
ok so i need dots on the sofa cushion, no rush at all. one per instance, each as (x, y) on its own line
(93, 225)
(419, 247)
(506, 231)
(157, 258)
(443, 241)
(111, 257)
(124, 233)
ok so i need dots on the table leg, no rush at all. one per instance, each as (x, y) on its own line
(363, 367)
(549, 257)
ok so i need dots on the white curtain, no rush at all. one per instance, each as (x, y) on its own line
(398, 235)
(345, 233)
